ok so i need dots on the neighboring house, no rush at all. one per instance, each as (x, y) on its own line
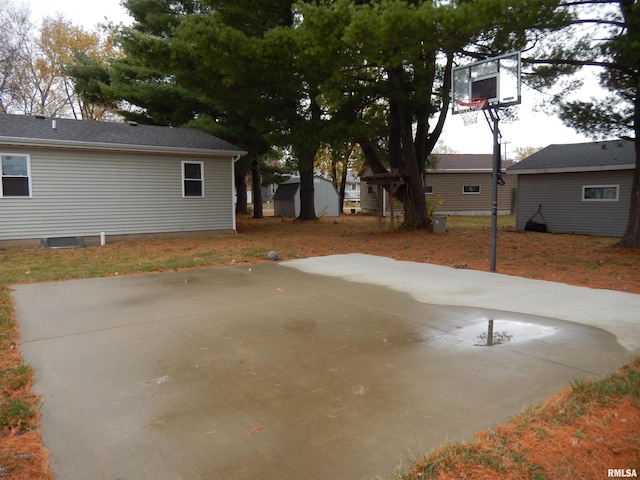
(460, 183)
(463, 184)
(75, 178)
(352, 186)
(583, 188)
(286, 200)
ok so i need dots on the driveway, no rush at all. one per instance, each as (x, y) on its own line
(341, 367)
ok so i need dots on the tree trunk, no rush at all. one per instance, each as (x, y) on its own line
(404, 154)
(256, 188)
(631, 237)
(343, 185)
(307, 199)
(241, 192)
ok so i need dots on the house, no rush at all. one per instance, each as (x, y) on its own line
(65, 178)
(352, 186)
(286, 200)
(582, 188)
(460, 183)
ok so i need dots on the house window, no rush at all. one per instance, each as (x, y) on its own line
(428, 190)
(16, 178)
(471, 189)
(600, 193)
(192, 179)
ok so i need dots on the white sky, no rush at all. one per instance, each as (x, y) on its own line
(531, 130)
(86, 13)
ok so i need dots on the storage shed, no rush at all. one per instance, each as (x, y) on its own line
(286, 201)
(582, 188)
(65, 178)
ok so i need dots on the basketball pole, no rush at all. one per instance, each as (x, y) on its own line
(493, 121)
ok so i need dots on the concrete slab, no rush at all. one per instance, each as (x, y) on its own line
(341, 367)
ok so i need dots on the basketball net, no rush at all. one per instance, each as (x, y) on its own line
(469, 109)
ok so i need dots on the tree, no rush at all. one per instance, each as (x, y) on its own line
(296, 73)
(605, 35)
(335, 162)
(394, 68)
(524, 152)
(57, 44)
(223, 60)
(33, 74)
(17, 30)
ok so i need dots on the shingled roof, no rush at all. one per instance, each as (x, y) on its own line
(63, 132)
(579, 157)
(454, 162)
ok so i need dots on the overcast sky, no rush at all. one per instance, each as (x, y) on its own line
(86, 13)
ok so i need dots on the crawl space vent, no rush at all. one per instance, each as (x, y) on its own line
(63, 242)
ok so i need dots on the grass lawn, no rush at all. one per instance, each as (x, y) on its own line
(506, 452)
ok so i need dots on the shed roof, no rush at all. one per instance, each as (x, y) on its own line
(579, 157)
(43, 131)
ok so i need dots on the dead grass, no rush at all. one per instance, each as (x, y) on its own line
(577, 260)
(581, 432)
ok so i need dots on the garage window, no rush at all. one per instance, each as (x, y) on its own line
(16, 176)
(600, 193)
(471, 189)
(192, 179)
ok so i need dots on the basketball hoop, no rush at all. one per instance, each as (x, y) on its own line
(469, 109)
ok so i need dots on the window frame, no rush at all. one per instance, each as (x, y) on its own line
(27, 158)
(473, 192)
(603, 186)
(184, 164)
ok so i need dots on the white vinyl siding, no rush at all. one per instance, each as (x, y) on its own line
(85, 193)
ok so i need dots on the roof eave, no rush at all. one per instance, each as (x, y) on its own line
(463, 170)
(122, 147)
(599, 168)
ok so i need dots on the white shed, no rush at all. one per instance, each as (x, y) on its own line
(286, 201)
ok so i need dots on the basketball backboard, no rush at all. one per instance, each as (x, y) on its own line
(496, 80)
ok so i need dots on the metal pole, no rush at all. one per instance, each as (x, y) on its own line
(494, 188)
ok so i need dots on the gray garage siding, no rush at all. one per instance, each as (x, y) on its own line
(564, 211)
(448, 186)
(84, 193)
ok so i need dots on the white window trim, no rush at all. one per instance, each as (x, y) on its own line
(29, 183)
(182, 165)
(471, 193)
(617, 198)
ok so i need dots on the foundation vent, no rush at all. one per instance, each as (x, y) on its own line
(63, 242)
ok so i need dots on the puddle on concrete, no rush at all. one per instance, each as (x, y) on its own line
(504, 332)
